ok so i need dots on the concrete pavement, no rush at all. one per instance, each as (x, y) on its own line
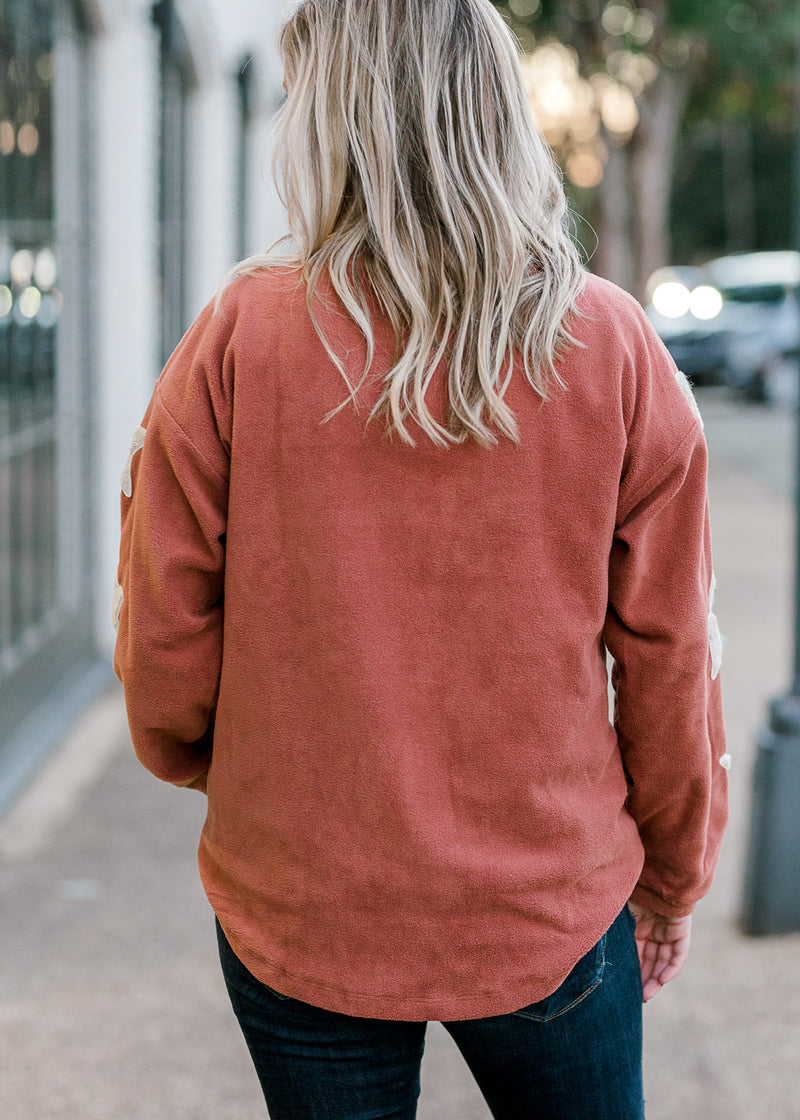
(111, 1002)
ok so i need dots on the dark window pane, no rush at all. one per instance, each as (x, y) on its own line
(30, 307)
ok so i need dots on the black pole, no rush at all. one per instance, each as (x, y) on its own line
(244, 87)
(771, 902)
(796, 216)
(165, 18)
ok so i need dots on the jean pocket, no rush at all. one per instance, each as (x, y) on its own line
(271, 992)
(581, 982)
(241, 978)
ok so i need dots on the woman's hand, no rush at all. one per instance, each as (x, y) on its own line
(663, 946)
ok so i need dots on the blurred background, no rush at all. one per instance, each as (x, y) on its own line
(134, 170)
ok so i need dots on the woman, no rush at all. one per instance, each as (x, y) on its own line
(391, 503)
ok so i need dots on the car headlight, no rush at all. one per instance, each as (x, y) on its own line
(705, 302)
(672, 299)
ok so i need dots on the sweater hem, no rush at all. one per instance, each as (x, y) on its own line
(387, 1006)
(515, 994)
(646, 897)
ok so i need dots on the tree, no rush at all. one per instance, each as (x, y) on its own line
(629, 74)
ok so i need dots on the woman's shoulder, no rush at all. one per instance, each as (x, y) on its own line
(247, 315)
(262, 301)
(612, 322)
(604, 303)
(261, 280)
(620, 341)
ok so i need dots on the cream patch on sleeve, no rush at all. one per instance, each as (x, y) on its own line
(715, 647)
(137, 443)
(686, 389)
(116, 603)
(714, 635)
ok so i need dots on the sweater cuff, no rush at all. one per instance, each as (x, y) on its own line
(645, 897)
(196, 783)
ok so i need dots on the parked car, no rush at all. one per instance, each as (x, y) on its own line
(691, 321)
(736, 320)
(761, 291)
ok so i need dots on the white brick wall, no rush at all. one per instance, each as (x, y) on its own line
(212, 156)
(125, 319)
(126, 105)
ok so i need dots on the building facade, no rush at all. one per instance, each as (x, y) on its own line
(134, 170)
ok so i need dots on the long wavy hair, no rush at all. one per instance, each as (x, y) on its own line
(413, 174)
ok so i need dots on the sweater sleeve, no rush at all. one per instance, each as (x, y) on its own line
(664, 639)
(169, 591)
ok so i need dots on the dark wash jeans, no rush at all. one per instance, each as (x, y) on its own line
(576, 1055)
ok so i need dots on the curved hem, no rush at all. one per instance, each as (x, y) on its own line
(516, 994)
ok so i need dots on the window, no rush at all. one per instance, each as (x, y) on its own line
(44, 347)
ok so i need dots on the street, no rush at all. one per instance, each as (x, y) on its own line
(112, 1006)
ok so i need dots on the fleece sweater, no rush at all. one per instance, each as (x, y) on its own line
(387, 665)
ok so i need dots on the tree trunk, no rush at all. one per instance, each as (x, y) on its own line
(615, 258)
(652, 157)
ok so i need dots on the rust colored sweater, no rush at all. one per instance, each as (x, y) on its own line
(387, 664)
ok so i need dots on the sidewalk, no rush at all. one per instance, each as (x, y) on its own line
(111, 1002)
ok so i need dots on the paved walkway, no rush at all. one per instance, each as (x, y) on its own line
(111, 1005)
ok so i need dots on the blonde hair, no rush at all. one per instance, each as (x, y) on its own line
(412, 171)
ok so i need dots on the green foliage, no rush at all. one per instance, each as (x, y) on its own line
(740, 58)
(741, 55)
(697, 220)
(749, 66)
